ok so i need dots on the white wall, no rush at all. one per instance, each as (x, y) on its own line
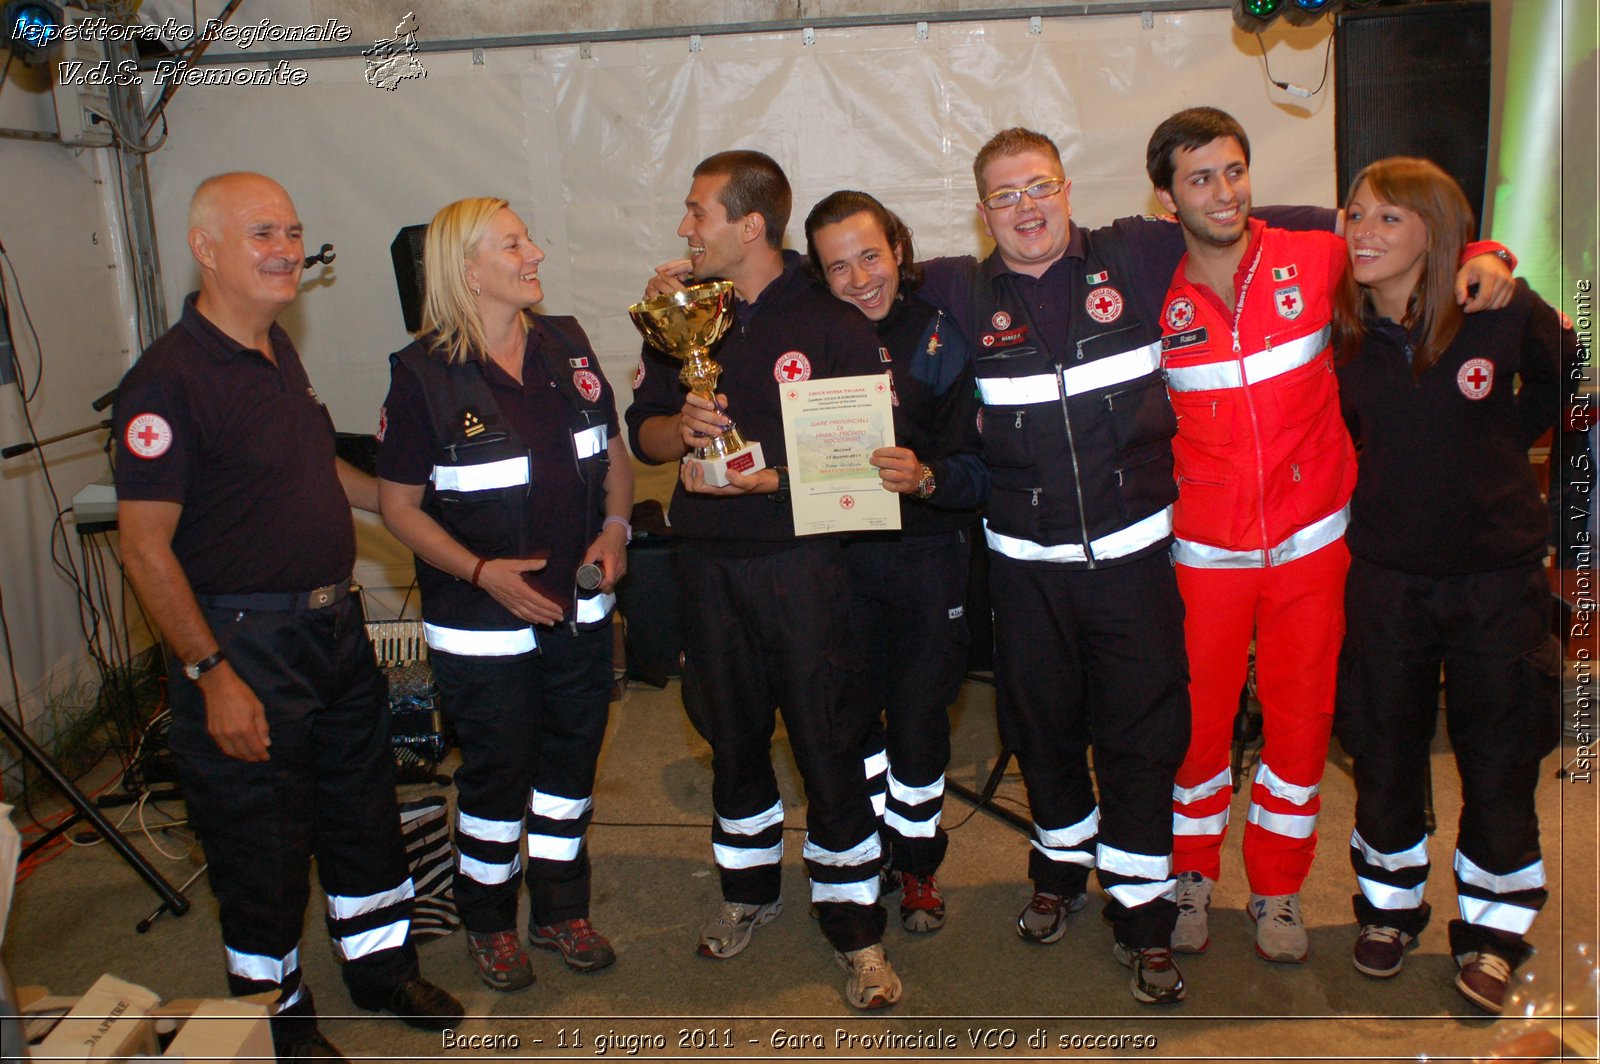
(595, 151)
(594, 146)
(58, 224)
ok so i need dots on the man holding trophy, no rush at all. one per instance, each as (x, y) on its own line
(764, 611)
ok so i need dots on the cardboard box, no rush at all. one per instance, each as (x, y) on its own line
(110, 1022)
(223, 1030)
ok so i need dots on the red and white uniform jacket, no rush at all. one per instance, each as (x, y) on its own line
(1265, 466)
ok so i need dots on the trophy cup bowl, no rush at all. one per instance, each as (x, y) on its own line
(684, 324)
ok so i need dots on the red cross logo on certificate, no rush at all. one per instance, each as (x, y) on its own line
(847, 502)
(792, 368)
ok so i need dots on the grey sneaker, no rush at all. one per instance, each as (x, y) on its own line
(728, 932)
(870, 982)
(1192, 932)
(1280, 930)
(1044, 919)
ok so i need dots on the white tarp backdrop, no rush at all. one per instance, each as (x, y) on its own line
(593, 145)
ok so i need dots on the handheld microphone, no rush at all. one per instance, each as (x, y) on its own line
(590, 576)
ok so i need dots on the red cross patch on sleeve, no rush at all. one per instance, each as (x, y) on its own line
(148, 436)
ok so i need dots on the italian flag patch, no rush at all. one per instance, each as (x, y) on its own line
(1284, 273)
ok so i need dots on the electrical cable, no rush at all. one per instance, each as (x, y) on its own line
(1289, 87)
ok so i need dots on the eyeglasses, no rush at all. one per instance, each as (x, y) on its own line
(1010, 197)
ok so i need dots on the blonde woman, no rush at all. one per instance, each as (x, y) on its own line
(501, 468)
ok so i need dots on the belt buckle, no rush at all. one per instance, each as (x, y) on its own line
(321, 597)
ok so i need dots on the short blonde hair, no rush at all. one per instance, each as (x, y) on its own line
(449, 310)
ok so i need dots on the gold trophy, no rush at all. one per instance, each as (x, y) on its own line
(685, 324)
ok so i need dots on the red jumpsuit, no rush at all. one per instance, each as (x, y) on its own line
(1265, 471)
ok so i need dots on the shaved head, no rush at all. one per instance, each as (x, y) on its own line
(214, 195)
(244, 234)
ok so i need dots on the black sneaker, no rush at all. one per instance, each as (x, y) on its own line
(1381, 951)
(1156, 980)
(306, 1045)
(418, 1002)
(1044, 918)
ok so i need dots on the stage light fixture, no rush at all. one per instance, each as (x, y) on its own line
(1308, 12)
(30, 28)
(1254, 16)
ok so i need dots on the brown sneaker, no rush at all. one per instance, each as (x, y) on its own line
(1381, 951)
(1483, 979)
(503, 964)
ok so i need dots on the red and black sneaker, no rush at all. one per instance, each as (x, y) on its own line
(582, 947)
(502, 962)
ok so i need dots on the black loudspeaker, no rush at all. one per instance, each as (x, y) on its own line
(1414, 80)
(406, 251)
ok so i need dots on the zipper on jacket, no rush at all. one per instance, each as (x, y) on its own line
(1072, 451)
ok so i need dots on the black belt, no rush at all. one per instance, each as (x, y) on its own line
(280, 602)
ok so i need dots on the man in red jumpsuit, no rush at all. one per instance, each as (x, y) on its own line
(1265, 471)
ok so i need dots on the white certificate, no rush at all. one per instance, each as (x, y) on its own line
(831, 427)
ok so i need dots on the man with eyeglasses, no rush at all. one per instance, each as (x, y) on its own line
(1077, 438)
(1089, 628)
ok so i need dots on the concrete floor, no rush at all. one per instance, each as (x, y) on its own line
(973, 989)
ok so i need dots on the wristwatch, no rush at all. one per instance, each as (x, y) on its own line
(203, 666)
(781, 493)
(926, 484)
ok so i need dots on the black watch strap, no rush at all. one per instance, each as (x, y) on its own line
(782, 492)
(203, 666)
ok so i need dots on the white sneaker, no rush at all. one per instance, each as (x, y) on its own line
(871, 983)
(1280, 930)
(728, 932)
(1192, 932)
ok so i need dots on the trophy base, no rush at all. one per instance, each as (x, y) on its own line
(714, 471)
